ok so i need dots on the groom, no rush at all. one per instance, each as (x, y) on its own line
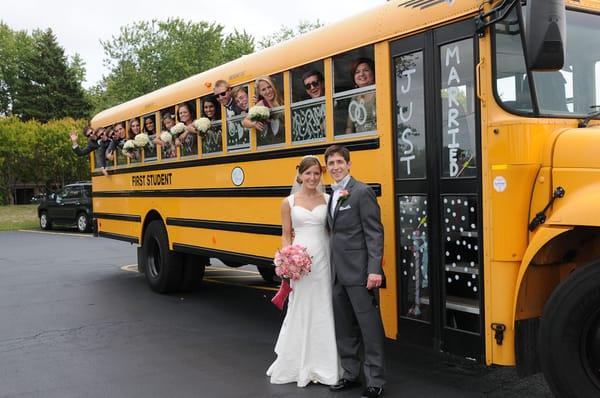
(356, 250)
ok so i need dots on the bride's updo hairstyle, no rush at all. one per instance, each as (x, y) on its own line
(306, 163)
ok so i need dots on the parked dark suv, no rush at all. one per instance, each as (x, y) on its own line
(71, 206)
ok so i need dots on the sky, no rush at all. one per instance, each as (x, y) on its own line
(80, 25)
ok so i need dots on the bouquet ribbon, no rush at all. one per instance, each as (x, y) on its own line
(282, 294)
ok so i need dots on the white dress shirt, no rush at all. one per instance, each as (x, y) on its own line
(337, 188)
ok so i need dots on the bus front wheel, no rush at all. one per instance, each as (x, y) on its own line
(569, 339)
(163, 267)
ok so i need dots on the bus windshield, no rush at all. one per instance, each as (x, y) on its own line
(572, 91)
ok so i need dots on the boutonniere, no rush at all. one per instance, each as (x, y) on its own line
(344, 195)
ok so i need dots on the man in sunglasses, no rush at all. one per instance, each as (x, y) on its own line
(223, 94)
(313, 83)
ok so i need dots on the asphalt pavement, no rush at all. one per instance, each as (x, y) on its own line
(76, 320)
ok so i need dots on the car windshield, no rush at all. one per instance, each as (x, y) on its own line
(571, 91)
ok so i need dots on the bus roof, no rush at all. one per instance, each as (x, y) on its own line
(392, 19)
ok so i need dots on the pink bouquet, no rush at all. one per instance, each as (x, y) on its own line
(291, 262)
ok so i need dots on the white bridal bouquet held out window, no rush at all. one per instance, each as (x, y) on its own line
(128, 147)
(177, 129)
(202, 125)
(166, 137)
(259, 113)
(141, 140)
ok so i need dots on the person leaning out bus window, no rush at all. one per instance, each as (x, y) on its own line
(188, 140)
(223, 95)
(135, 128)
(150, 129)
(313, 84)
(270, 132)
(240, 96)
(211, 110)
(168, 149)
(97, 141)
(117, 142)
(361, 111)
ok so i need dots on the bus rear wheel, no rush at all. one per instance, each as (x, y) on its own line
(569, 339)
(163, 267)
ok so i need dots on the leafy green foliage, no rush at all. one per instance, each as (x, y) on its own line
(146, 56)
(40, 153)
(285, 33)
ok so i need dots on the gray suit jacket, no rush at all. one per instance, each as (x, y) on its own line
(356, 236)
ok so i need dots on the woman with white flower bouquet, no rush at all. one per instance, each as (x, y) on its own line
(213, 141)
(306, 346)
(165, 138)
(269, 127)
(188, 139)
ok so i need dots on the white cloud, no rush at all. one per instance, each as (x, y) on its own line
(80, 25)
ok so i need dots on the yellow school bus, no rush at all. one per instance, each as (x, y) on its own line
(478, 135)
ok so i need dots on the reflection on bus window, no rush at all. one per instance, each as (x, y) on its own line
(308, 103)
(354, 103)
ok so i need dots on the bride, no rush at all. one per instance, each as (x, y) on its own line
(306, 347)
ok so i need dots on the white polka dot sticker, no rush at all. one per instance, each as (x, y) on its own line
(445, 200)
(452, 202)
(472, 210)
(458, 257)
(475, 247)
(448, 210)
(446, 221)
(469, 283)
(405, 274)
(458, 201)
(448, 238)
(425, 202)
(404, 261)
(469, 246)
(456, 277)
(454, 227)
(412, 265)
(405, 248)
(463, 218)
(472, 263)
(474, 288)
(473, 276)
(413, 278)
(473, 226)
(447, 253)
(449, 280)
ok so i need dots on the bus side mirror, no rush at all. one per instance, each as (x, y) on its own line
(545, 34)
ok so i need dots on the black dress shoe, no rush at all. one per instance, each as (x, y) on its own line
(344, 384)
(372, 392)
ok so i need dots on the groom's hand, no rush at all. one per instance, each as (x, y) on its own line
(374, 280)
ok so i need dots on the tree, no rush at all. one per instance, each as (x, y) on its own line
(146, 56)
(285, 33)
(14, 48)
(47, 86)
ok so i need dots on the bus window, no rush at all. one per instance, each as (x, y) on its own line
(186, 113)
(238, 137)
(149, 127)
(354, 105)
(119, 138)
(134, 127)
(213, 140)
(308, 103)
(167, 121)
(269, 92)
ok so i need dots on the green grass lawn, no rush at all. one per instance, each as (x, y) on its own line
(18, 217)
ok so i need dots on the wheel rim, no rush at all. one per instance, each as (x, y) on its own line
(590, 348)
(82, 223)
(154, 264)
(43, 221)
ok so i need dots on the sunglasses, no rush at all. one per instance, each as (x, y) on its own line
(314, 84)
(224, 93)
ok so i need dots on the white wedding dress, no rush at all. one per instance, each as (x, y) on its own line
(306, 348)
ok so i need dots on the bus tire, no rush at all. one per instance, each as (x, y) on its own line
(193, 272)
(163, 267)
(569, 337)
(268, 274)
